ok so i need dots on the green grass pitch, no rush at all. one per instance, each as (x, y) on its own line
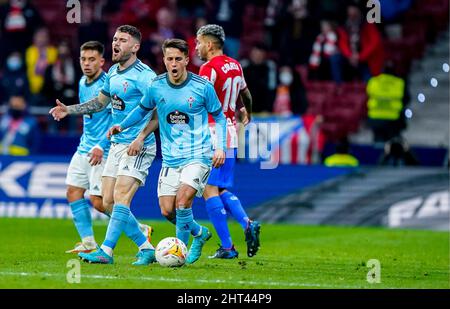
(32, 256)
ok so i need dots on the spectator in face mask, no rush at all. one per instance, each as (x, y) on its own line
(290, 96)
(18, 20)
(14, 78)
(19, 132)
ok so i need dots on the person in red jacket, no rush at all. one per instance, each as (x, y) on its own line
(361, 44)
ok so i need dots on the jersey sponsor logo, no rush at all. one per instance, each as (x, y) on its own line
(117, 103)
(177, 117)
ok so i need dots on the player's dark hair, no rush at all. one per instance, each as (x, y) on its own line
(93, 45)
(180, 44)
(131, 30)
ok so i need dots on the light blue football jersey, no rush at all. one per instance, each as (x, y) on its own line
(95, 125)
(126, 89)
(183, 118)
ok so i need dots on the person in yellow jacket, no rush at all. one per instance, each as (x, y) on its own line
(342, 157)
(38, 57)
(385, 106)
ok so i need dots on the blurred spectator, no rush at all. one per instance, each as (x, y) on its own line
(60, 77)
(273, 23)
(38, 57)
(361, 44)
(141, 13)
(298, 31)
(342, 157)
(165, 30)
(291, 94)
(14, 81)
(191, 8)
(18, 20)
(60, 82)
(92, 28)
(397, 153)
(110, 6)
(261, 77)
(228, 14)
(387, 97)
(19, 132)
(325, 61)
(194, 60)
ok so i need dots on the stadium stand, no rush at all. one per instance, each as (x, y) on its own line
(342, 107)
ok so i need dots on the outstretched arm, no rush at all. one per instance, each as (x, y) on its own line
(95, 105)
(134, 117)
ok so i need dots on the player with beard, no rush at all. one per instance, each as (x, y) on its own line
(123, 174)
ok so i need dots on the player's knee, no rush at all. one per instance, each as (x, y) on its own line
(74, 194)
(183, 200)
(168, 214)
(108, 203)
(121, 196)
(97, 202)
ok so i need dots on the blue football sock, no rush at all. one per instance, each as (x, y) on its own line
(233, 205)
(218, 216)
(119, 220)
(186, 224)
(82, 217)
(133, 232)
(184, 235)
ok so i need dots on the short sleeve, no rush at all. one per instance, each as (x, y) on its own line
(243, 83)
(105, 88)
(208, 72)
(212, 101)
(148, 100)
(144, 80)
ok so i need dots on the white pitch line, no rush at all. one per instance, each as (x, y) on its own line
(144, 278)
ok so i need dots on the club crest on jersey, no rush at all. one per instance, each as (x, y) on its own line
(177, 117)
(125, 86)
(190, 101)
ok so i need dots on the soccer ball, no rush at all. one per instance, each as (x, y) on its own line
(171, 252)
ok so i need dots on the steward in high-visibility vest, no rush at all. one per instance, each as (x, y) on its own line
(385, 93)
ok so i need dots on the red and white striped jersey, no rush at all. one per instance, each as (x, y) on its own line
(226, 75)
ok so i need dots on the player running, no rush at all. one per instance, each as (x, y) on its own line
(123, 174)
(183, 101)
(226, 75)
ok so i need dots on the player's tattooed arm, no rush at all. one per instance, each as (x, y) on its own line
(60, 110)
(92, 106)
